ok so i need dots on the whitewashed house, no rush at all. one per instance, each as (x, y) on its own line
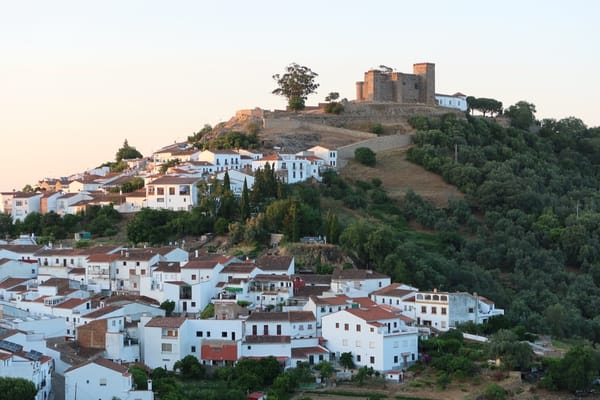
(19, 362)
(456, 100)
(102, 379)
(172, 193)
(25, 203)
(376, 338)
(397, 295)
(221, 159)
(357, 282)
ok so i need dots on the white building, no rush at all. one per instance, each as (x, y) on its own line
(172, 193)
(221, 159)
(376, 338)
(397, 295)
(457, 101)
(25, 203)
(443, 310)
(104, 380)
(355, 282)
(19, 362)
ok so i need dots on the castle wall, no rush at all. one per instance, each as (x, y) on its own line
(398, 87)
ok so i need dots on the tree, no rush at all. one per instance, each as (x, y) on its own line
(347, 360)
(513, 353)
(127, 152)
(296, 85)
(521, 114)
(190, 367)
(17, 389)
(325, 368)
(332, 96)
(168, 306)
(365, 156)
(245, 203)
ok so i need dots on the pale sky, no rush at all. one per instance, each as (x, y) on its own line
(78, 77)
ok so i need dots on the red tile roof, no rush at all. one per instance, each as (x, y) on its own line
(165, 322)
(101, 311)
(274, 263)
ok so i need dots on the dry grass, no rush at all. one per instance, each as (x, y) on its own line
(399, 175)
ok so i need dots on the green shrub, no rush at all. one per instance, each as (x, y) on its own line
(365, 156)
(377, 129)
(494, 392)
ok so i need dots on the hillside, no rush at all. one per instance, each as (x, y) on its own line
(399, 175)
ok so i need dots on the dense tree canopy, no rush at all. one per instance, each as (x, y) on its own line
(17, 389)
(538, 200)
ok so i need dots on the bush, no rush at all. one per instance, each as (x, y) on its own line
(365, 156)
(494, 392)
(334, 108)
(377, 129)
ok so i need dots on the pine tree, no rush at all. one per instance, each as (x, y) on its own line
(245, 202)
(226, 182)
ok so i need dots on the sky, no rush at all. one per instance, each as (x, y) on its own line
(77, 78)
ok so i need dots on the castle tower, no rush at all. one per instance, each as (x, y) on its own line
(426, 71)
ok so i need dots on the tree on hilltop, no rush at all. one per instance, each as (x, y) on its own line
(296, 85)
(127, 152)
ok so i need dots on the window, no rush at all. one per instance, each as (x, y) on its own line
(423, 309)
(171, 191)
(207, 333)
(337, 324)
(471, 310)
(160, 191)
(443, 310)
(357, 327)
(346, 327)
(193, 277)
(166, 347)
(193, 349)
(372, 359)
(309, 326)
(395, 359)
(224, 334)
(199, 333)
(434, 310)
(372, 329)
(266, 330)
(322, 309)
(193, 304)
(278, 330)
(358, 357)
(102, 381)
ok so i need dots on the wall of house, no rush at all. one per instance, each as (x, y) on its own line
(95, 382)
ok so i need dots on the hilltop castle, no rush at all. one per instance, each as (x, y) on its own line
(391, 86)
